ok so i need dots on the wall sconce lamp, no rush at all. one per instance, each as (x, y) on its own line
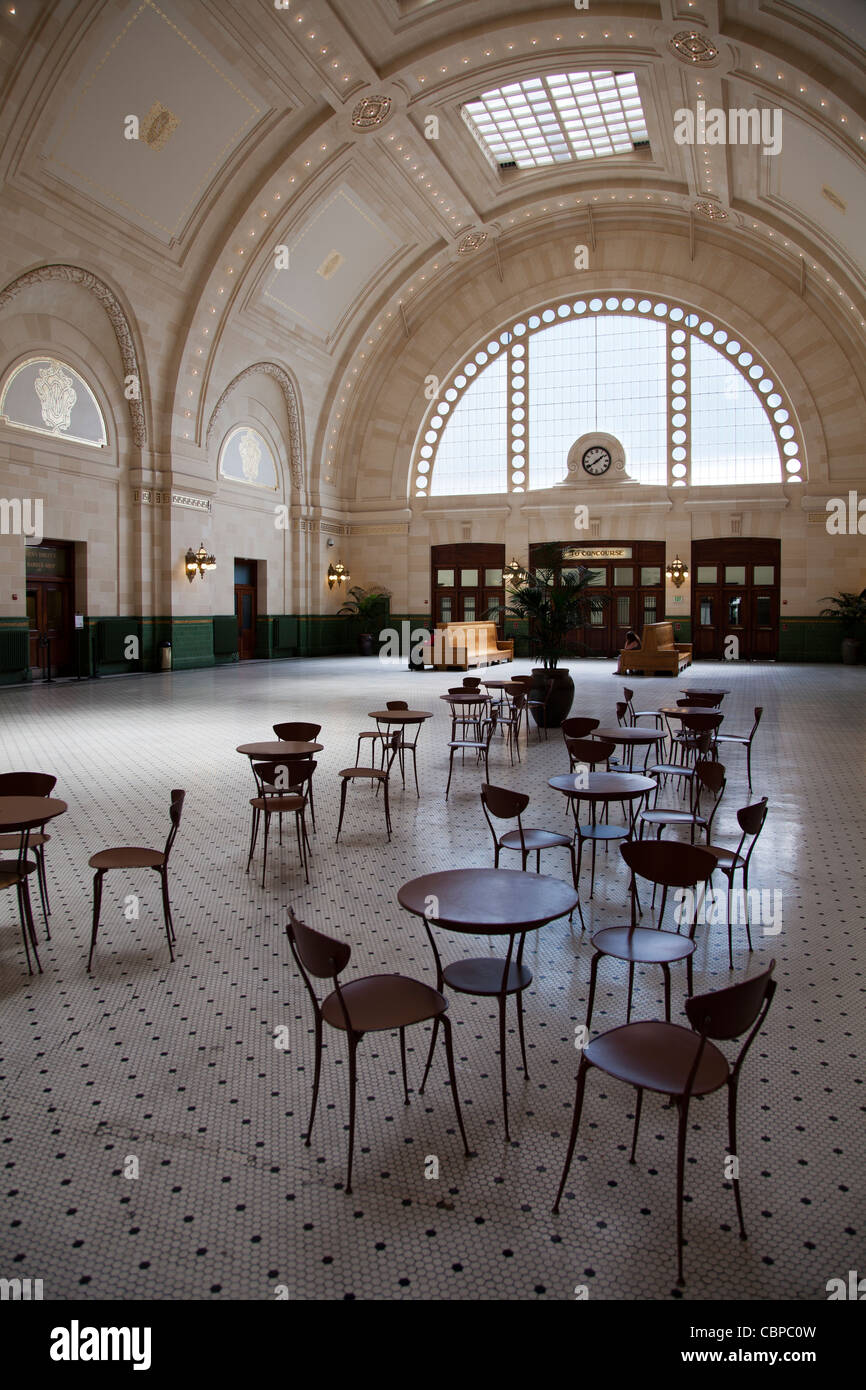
(197, 561)
(677, 572)
(514, 573)
(338, 574)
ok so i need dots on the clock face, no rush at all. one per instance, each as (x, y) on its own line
(596, 460)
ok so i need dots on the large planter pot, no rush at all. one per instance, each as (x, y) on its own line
(365, 644)
(561, 696)
(850, 651)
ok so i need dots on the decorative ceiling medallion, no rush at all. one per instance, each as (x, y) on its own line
(371, 112)
(158, 126)
(712, 211)
(691, 47)
(471, 242)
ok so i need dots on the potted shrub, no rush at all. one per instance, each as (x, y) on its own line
(850, 609)
(369, 609)
(553, 603)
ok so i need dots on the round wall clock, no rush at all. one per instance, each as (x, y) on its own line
(596, 460)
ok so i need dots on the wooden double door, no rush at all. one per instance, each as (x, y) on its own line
(629, 583)
(735, 598)
(467, 583)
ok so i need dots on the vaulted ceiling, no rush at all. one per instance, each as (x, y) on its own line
(289, 143)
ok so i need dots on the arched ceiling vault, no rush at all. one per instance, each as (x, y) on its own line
(304, 127)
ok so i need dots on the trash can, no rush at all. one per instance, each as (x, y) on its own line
(165, 656)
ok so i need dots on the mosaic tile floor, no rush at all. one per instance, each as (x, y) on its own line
(176, 1066)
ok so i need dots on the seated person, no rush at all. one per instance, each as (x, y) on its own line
(632, 641)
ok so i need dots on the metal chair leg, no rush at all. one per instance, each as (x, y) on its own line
(97, 905)
(575, 1125)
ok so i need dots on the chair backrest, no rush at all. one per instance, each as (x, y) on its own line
(298, 732)
(503, 803)
(317, 954)
(283, 775)
(579, 726)
(729, 1012)
(589, 750)
(175, 812)
(702, 701)
(458, 690)
(471, 682)
(670, 863)
(393, 744)
(396, 704)
(27, 783)
(628, 696)
(700, 722)
(751, 818)
(622, 712)
(523, 680)
(759, 714)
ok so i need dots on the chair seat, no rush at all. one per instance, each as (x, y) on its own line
(658, 1056)
(484, 976)
(10, 874)
(670, 770)
(732, 738)
(127, 857)
(378, 1003)
(725, 858)
(670, 817)
(278, 803)
(602, 832)
(534, 839)
(466, 743)
(644, 944)
(378, 772)
(13, 841)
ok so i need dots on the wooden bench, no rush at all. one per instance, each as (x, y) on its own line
(466, 644)
(658, 652)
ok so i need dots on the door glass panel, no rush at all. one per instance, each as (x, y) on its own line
(623, 574)
(445, 610)
(445, 578)
(734, 574)
(735, 608)
(765, 574)
(53, 608)
(650, 574)
(493, 578)
(31, 609)
(649, 608)
(596, 617)
(706, 612)
(623, 610)
(469, 579)
(709, 574)
(469, 608)
(494, 604)
(246, 612)
(599, 578)
(763, 610)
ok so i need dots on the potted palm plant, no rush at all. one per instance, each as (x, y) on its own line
(553, 603)
(850, 609)
(369, 608)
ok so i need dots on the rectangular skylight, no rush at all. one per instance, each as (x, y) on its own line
(575, 115)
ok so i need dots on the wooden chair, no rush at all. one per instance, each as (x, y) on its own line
(683, 772)
(636, 714)
(383, 738)
(528, 682)
(14, 874)
(479, 745)
(502, 804)
(134, 857)
(751, 822)
(680, 1063)
(283, 787)
(745, 740)
(708, 783)
(29, 784)
(371, 1004)
(510, 716)
(297, 731)
(694, 722)
(378, 776)
(588, 752)
(670, 864)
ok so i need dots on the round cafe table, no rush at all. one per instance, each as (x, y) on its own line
(488, 902)
(474, 703)
(280, 748)
(631, 738)
(403, 718)
(599, 788)
(23, 814)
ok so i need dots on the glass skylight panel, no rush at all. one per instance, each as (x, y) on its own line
(576, 115)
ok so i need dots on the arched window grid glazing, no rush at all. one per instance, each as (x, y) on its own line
(691, 402)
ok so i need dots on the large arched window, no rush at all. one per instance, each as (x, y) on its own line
(50, 397)
(688, 401)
